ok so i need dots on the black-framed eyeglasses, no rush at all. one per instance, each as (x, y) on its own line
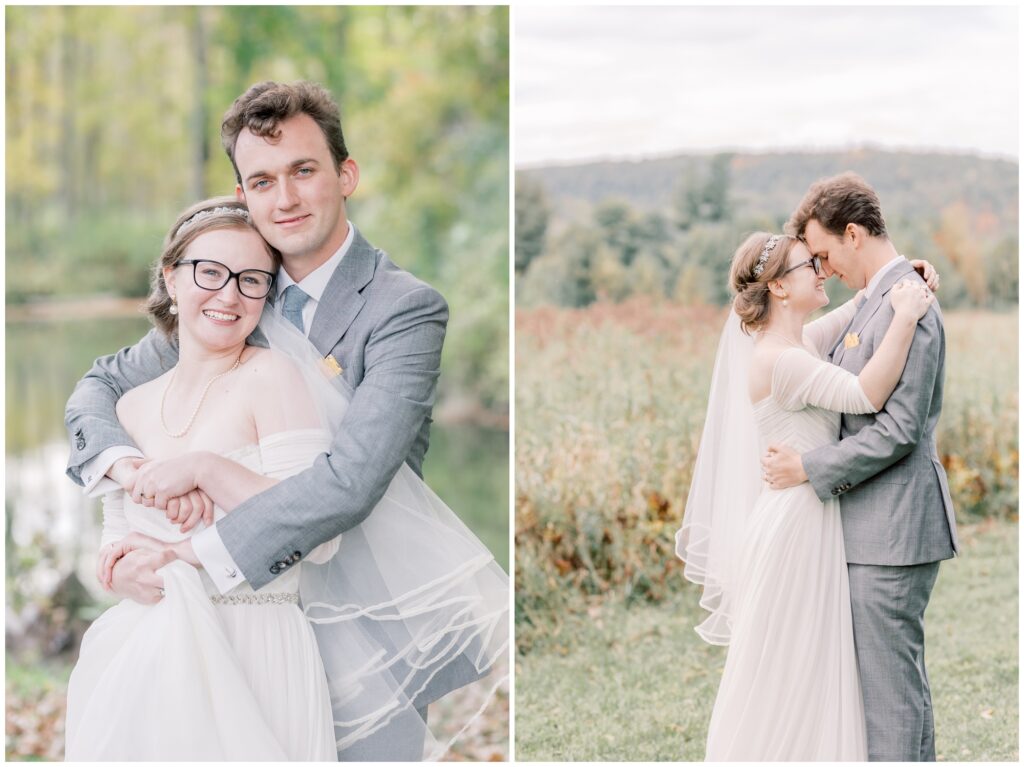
(814, 262)
(213, 275)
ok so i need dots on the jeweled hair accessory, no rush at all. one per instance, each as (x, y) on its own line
(766, 253)
(240, 212)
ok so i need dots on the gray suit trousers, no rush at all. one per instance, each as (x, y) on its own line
(888, 631)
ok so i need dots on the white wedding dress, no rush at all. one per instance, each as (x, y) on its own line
(198, 676)
(790, 690)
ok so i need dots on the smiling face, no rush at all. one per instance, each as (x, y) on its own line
(805, 290)
(295, 193)
(218, 320)
(836, 253)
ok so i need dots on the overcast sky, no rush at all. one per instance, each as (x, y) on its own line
(612, 82)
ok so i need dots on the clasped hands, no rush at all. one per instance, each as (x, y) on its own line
(171, 486)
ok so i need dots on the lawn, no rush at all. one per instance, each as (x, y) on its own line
(637, 684)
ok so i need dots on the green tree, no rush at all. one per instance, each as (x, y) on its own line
(532, 214)
(707, 200)
(113, 118)
(1001, 262)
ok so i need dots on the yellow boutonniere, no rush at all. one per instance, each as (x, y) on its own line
(851, 340)
(331, 366)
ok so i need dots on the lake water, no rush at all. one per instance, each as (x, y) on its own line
(52, 527)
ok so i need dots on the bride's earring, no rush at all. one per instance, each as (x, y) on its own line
(174, 305)
(785, 299)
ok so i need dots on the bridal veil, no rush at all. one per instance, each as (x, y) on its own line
(411, 607)
(726, 482)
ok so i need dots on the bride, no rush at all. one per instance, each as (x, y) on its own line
(188, 674)
(772, 562)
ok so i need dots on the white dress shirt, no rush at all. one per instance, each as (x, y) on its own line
(873, 283)
(315, 283)
(207, 544)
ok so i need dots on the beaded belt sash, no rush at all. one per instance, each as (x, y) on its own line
(272, 598)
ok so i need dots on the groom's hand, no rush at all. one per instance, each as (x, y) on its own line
(782, 467)
(123, 471)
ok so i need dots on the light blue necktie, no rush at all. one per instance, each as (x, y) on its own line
(294, 300)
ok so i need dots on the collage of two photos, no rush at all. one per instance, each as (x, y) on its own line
(490, 383)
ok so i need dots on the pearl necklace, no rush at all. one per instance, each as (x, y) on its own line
(202, 398)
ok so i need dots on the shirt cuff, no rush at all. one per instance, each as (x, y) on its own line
(215, 559)
(94, 471)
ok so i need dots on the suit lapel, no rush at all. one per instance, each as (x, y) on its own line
(836, 355)
(342, 300)
(872, 305)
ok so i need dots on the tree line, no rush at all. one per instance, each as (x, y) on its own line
(596, 232)
(113, 117)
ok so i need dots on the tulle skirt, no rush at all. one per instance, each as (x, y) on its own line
(187, 680)
(790, 690)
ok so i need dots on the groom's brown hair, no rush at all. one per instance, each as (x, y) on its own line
(265, 105)
(837, 201)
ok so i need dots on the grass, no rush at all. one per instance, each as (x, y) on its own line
(610, 404)
(637, 684)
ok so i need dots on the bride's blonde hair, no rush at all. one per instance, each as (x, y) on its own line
(752, 295)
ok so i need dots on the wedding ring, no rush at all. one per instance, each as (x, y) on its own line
(161, 592)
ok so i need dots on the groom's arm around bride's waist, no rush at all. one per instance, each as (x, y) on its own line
(896, 430)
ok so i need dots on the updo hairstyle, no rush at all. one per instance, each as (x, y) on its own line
(205, 216)
(752, 294)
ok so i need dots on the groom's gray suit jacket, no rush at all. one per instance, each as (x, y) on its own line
(896, 508)
(385, 328)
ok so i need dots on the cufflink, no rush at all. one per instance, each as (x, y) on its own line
(230, 572)
(80, 442)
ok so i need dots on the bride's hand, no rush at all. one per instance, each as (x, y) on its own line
(927, 272)
(156, 482)
(187, 510)
(911, 299)
(112, 553)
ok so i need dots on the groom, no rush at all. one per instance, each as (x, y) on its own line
(380, 325)
(898, 520)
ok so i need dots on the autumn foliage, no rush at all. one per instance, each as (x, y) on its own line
(610, 406)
